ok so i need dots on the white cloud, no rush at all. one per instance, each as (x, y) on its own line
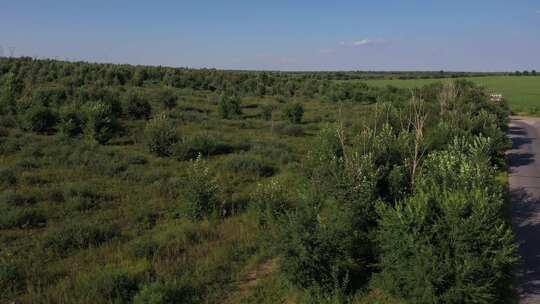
(363, 42)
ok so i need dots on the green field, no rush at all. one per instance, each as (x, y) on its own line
(522, 93)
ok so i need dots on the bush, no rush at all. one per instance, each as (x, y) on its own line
(39, 119)
(290, 130)
(241, 164)
(167, 98)
(82, 197)
(228, 106)
(318, 246)
(18, 198)
(270, 201)
(7, 177)
(136, 106)
(448, 243)
(71, 122)
(20, 217)
(163, 293)
(11, 277)
(266, 112)
(113, 284)
(160, 136)
(294, 112)
(101, 122)
(143, 248)
(200, 192)
(79, 235)
(204, 144)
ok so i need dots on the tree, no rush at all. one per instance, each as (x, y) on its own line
(201, 191)
(533, 72)
(160, 135)
(136, 105)
(39, 119)
(229, 105)
(10, 93)
(294, 112)
(448, 242)
(101, 123)
(167, 98)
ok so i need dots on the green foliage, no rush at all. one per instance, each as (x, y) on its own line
(205, 144)
(294, 112)
(228, 106)
(71, 121)
(12, 88)
(11, 277)
(167, 99)
(40, 119)
(160, 135)
(267, 112)
(136, 105)
(317, 248)
(101, 122)
(448, 243)
(162, 293)
(20, 217)
(113, 284)
(249, 166)
(8, 177)
(200, 191)
(270, 201)
(79, 235)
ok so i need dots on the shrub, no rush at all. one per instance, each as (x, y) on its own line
(163, 293)
(7, 177)
(290, 130)
(270, 201)
(18, 198)
(39, 119)
(167, 98)
(448, 243)
(266, 112)
(200, 192)
(160, 136)
(11, 277)
(203, 143)
(113, 284)
(318, 246)
(246, 165)
(71, 122)
(101, 122)
(294, 112)
(20, 217)
(143, 248)
(82, 197)
(228, 106)
(79, 235)
(136, 106)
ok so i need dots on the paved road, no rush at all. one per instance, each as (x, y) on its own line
(524, 171)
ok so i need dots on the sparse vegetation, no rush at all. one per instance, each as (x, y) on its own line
(123, 184)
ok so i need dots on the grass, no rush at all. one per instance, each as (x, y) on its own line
(522, 93)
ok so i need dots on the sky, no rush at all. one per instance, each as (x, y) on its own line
(457, 35)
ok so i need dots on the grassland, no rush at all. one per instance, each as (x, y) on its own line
(522, 93)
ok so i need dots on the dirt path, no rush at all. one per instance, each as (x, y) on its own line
(524, 180)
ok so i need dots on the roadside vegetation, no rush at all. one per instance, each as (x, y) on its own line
(132, 184)
(522, 91)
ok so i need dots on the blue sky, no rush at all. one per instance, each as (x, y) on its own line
(479, 35)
